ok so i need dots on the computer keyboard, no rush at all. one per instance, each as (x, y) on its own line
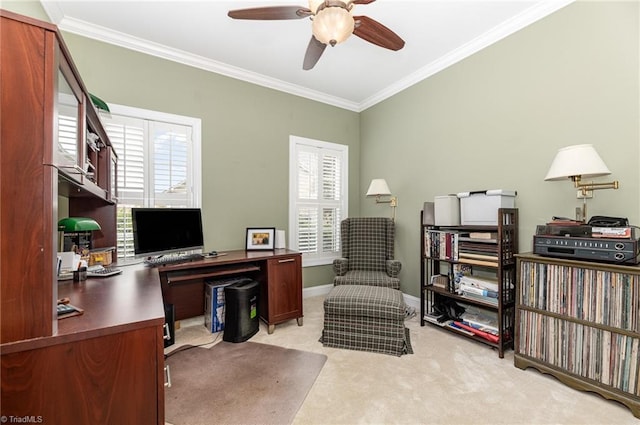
(172, 259)
(103, 272)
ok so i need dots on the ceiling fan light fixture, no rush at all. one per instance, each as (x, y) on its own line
(314, 5)
(332, 25)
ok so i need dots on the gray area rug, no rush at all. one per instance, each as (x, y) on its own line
(239, 383)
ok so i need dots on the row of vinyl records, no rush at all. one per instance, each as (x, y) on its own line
(598, 354)
(478, 248)
(608, 298)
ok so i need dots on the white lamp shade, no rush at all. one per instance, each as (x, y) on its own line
(577, 160)
(332, 25)
(378, 187)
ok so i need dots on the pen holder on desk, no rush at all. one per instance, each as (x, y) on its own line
(80, 274)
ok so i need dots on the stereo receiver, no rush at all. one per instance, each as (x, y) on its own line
(611, 250)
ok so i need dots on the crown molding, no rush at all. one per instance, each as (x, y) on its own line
(127, 41)
(85, 29)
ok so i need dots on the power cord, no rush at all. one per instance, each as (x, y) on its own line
(190, 346)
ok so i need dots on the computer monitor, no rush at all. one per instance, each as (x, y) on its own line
(158, 231)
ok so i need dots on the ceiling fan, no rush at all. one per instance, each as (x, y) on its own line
(332, 23)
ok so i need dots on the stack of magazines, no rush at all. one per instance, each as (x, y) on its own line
(482, 289)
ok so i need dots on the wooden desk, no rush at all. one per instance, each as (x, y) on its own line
(105, 366)
(279, 273)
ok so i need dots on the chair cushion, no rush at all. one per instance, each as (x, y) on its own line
(368, 278)
(365, 301)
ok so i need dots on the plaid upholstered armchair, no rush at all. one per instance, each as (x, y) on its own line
(367, 253)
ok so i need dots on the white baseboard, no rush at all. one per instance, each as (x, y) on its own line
(412, 301)
(315, 291)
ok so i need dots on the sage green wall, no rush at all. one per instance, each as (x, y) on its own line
(26, 7)
(496, 119)
(245, 133)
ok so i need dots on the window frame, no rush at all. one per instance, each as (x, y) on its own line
(315, 259)
(167, 118)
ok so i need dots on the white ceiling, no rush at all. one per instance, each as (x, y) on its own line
(353, 75)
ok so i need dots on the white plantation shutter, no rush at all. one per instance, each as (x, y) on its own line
(172, 178)
(158, 164)
(127, 137)
(68, 137)
(318, 200)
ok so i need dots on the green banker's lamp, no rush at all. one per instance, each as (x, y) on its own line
(76, 232)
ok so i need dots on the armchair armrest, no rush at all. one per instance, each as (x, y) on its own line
(340, 266)
(393, 267)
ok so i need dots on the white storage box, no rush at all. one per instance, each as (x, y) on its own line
(481, 208)
(446, 210)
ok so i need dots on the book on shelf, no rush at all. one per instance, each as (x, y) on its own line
(459, 271)
(477, 297)
(477, 262)
(474, 290)
(485, 238)
(477, 332)
(440, 281)
(488, 329)
(477, 247)
(458, 327)
(487, 257)
(481, 282)
(435, 318)
(441, 244)
(483, 235)
(480, 318)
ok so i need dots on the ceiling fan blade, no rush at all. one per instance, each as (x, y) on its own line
(374, 32)
(314, 51)
(363, 1)
(271, 13)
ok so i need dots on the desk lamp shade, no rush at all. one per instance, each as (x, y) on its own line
(577, 160)
(77, 224)
(99, 103)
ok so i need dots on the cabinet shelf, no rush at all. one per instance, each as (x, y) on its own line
(579, 321)
(443, 251)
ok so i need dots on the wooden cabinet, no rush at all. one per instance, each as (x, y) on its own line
(41, 93)
(28, 189)
(468, 279)
(279, 273)
(281, 294)
(580, 322)
(105, 366)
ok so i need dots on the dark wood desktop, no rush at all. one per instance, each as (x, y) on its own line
(279, 273)
(104, 366)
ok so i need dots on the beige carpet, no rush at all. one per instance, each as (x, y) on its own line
(448, 380)
(239, 383)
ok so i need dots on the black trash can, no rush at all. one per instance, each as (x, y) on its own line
(241, 318)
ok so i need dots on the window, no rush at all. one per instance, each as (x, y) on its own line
(158, 164)
(318, 175)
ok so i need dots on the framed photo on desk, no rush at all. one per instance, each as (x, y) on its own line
(260, 238)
